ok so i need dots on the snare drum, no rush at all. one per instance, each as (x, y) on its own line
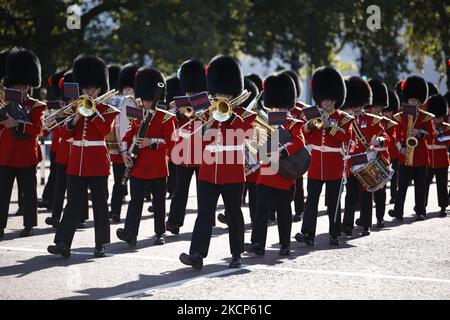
(374, 174)
(122, 123)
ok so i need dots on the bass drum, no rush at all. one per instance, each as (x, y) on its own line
(122, 123)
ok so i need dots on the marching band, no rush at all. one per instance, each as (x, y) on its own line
(236, 134)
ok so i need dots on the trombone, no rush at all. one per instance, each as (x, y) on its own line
(221, 109)
(84, 105)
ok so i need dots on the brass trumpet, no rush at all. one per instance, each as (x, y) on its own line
(84, 105)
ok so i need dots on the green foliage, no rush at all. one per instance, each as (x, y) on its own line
(167, 32)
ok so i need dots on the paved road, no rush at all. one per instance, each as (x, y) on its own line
(407, 261)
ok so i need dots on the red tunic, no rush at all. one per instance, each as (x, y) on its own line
(438, 151)
(223, 157)
(89, 156)
(273, 179)
(153, 164)
(62, 156)
(371, 127)
(327, 162)
(424, 122)
(23, 153)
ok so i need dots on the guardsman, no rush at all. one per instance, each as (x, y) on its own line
(49, 189)
(61, 162)
(368, 135)
(125, 86)
(222, 171)
(414, 125)
(89, 162)
(279, 95)
(20, 156)
(152, 162)
(438, 148)
(193, 81)
(393, 149)
(248, 116)
(296, 113)
(326, 144)
(380, 101)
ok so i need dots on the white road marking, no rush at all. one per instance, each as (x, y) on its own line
(170, 285)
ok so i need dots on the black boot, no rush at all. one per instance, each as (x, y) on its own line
(172, 228)
(254, 248)
(348, 231)
(125, 236)
(365, 232)
(443, 213)
(51, 221)
(305, 238)
(222, 218)
(285, 250)
(395, 215)
(81, 224)
(59, 248)
(235, 262)
(159, 240)
(99, 251)
(195, 260)
(334, 241)
(26, 232)
(380, 223)
(297, 217)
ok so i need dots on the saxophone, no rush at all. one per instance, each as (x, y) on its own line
(411, 142)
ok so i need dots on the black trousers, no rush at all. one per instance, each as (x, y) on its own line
(314, 188)
(208, 195)
(76, 192)
(60, 193)
(26, 178)
(394, 180)
(379, 197)
(299, 200)
(134, 213)
(119, 191)
(441, 185)
(406, 174)
(20, 197)
(252, 199)
(282, 199)
(172, 178)
(49, 188)
(180, 197)
(354, 195)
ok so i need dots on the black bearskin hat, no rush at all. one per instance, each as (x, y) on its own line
(127, 75)
(394, 102)
(279, 91)
(256, 80)
(192, 76)
(327, 84)
(251, 87)
(146, 82)
(437, 105)
(379, 93)
(432, 89)
(174, 88)
(3, 55)
(295, 78)
(224, 76)
(91, 71)
(415, 87)
(23, 67)
(359, 93)
(113, 72)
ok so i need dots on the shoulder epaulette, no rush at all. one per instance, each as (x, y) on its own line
(37, 103)
(398, 117)
(427, 116)
(390, 123)
(293, 122)
(167, 115)
(375, 119)
(446, 125)
(347, 118)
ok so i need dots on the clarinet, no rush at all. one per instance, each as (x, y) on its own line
(134, 150)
